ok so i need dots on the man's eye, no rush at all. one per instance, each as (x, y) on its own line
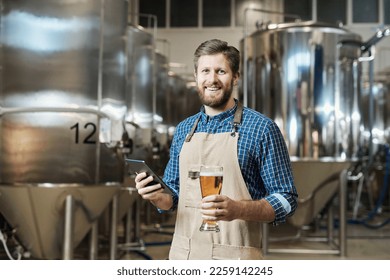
(221, 72)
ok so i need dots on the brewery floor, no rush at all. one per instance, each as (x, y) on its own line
(362, 243)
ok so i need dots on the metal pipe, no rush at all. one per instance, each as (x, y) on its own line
(379, 35)
(371, 109)
(68, 228)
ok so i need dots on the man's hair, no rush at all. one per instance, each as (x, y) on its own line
(215, 46)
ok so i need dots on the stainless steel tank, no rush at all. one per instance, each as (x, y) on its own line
(378, 133)
(164, 106)
(140, 53)
(140, 104)
(61, 97)
(193, 101)
(177, 94)
(140, 90)
(375, 134)
(163, 103)
(304, 77)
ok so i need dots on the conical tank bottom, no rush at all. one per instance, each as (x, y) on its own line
(317, 181)
(37, 213)
(126, 199)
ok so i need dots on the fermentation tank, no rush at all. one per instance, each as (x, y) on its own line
(144, 75)
(177, 89)
(193, 101)
(305, 76)
(164, 106)
(140, 89)
(61, 118)
(378, 132)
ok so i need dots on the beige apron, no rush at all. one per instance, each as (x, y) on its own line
(237, 239)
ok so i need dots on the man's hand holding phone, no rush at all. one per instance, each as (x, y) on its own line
(147, 187)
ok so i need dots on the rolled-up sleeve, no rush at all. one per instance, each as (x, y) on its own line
(277, 176)
(284, 206)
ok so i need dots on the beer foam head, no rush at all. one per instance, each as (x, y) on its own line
(211, 171)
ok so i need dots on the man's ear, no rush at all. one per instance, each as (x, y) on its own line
(236, 78)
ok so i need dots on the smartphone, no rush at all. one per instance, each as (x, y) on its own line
(137, 166)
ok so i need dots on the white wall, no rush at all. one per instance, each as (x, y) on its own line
(183, 42)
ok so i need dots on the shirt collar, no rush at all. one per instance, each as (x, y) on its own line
(221, 116)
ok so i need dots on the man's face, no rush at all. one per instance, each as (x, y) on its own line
(215, 80)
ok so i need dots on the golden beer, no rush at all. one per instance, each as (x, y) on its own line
(210, 184)
(211, 178)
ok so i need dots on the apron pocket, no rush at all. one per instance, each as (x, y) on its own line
(180, 248)
(193, 194)
(229, 252)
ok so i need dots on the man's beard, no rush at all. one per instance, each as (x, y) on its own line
(216, 102)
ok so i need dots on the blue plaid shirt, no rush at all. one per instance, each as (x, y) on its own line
(262, 155)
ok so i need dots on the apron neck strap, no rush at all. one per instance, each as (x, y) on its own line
(237, 118)
(189, 135)
(236, 123)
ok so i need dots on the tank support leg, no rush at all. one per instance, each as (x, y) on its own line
(114, 226)
(128, 224)
(137, 229)
(342, 236)
(343, 214)
(330, 226)
(94, 240)
(68, 228)
(265, 233)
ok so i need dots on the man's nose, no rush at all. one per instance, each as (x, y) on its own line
(212, 77)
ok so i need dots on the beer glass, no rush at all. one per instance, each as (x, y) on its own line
(210, 183)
